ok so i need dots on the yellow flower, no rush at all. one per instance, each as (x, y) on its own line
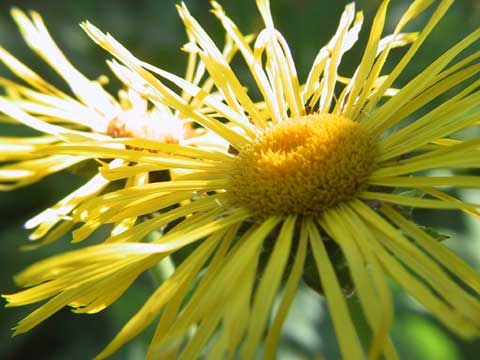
(76, 122)
(314, 165)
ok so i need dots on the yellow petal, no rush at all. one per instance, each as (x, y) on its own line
(37, 37)
(369, 54)
(373, 292)
(173, 307)
(437, 250)
(346, 335)
(273, 335)
(268, 287)
(414, 201)
(416, 8)
(427, 181)
(464, 307)
(381, 119)
(185, 273)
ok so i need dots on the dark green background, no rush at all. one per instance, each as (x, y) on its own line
(153, 32)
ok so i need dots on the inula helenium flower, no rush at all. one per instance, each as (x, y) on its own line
(328, 164)
(74, 122)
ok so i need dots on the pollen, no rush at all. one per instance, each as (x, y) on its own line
(303, 166)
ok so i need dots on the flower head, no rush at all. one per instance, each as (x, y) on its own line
(318, 161)
(309, 166)
(76, 123)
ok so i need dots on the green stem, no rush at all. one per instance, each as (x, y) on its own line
(165, 268)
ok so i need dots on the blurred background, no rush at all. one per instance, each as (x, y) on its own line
(152, 30)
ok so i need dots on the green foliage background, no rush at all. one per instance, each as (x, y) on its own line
(152, 30)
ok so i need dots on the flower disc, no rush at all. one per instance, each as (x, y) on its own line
(303, 166)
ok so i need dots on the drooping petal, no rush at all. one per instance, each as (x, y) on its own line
(346, 335)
